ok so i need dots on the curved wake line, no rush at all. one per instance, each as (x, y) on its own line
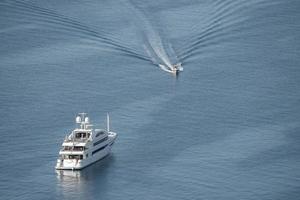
(222, 15)
(53, 19)
(59, 18)
(224, 9)
(208, 43)
(207, 36)
(222, 23)
(210, 20)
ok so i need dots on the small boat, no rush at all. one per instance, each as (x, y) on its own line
(85, 145)
(174, 69)
(177, 68)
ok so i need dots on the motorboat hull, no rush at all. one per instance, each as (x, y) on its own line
(175, 69)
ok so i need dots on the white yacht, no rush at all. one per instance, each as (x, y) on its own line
(85, 145)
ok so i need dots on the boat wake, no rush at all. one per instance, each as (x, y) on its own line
(224, 23)
(51, 20)
(157, 49)
(159, 56)
(160, 51)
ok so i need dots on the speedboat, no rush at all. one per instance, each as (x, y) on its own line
(177, 68)
(174, 69)
(85, 145)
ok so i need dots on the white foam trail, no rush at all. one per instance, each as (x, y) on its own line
(165, 68)
(157, 46)
(150, 55)
(156, 49)
(173, 53)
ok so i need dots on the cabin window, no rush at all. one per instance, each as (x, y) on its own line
(67, 148)
(78, 148)
(82, 135)
(71, 148)
(78, 157)
(100, 133)
(100, 141)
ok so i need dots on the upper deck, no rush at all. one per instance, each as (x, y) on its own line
(78, 137)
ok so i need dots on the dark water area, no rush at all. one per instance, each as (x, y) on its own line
(226, 128)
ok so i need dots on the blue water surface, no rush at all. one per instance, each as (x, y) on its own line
(226, 128)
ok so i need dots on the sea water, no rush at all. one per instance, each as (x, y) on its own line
(226, 128)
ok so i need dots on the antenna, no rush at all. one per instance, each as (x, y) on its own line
(107, 122)
(82, 120)
(82, 115)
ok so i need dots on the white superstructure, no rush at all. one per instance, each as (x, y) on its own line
(85, 145)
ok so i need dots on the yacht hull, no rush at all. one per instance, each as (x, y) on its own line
(73, 164)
